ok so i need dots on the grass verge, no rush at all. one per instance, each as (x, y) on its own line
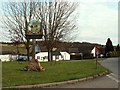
(13, 75)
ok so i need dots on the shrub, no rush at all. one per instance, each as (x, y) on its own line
(115, 54)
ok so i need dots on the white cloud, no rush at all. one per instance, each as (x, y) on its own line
(97, 22)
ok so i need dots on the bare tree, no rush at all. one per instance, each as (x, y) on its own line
(55, 17)
(17, 16)
(56, 21)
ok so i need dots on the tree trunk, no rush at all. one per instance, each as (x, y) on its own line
(33, 49)
(49, 55)
(28, 51)
(34, 64)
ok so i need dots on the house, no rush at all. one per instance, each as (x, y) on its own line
(75, 54)
(43, 56)
(58, 54)
(97, 51)
(80, 51)
(65, 55)
(8, 56)
(71, 50)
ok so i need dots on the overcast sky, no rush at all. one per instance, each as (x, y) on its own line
(97, 20)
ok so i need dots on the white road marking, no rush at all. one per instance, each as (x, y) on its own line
(114, 75)
(113, 78)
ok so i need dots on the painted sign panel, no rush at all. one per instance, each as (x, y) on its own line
(34, 31)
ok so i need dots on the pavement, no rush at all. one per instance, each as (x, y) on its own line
(100, 82)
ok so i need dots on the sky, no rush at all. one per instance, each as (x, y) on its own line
(97, 20)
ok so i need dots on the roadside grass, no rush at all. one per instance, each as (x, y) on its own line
(14, 75)
(100, 59)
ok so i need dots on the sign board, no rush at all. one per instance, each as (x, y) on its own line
(34, 31)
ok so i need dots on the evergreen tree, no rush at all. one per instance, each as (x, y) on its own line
(109, 46)
(118, 48)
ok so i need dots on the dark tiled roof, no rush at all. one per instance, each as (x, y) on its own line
(71, 47)
(83, 48)
(56, 53)
(73, 50)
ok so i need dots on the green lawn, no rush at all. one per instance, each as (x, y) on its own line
(13, 75)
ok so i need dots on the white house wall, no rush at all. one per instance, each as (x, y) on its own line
(43, 56)
(4, 57)
(58, 59)
(66, 56)
(7, 57)
(14, 57)
(93, 52)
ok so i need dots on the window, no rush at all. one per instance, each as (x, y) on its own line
(38, 57)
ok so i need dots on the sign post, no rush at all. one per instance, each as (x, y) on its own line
(96, 59)
(34, 33)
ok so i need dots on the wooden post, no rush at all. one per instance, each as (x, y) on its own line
(34, 65)
(96, 60)
(33, 53)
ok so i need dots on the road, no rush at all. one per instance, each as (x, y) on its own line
(113, 64)
(108, 81)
